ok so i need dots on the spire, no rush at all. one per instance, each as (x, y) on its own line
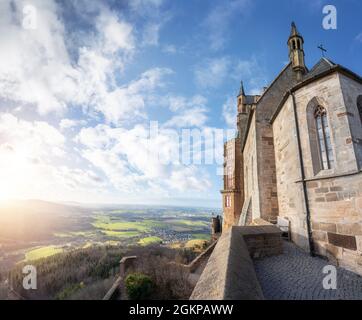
(296, 51)
(242, 91)
(241, 98)
(294, 32)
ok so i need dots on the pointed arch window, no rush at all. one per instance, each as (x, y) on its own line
(324, 138)
(227, 201)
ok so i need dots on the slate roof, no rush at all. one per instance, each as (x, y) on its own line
(321, 66)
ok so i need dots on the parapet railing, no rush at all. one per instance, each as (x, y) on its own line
(116, 290)
(229, 273)
(194, 264)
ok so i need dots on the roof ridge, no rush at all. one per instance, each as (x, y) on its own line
(275, 79)
(330, 62)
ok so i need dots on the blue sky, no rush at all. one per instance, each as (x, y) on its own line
(81, 82)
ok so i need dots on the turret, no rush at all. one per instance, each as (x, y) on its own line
(241, 99)
(296, 52)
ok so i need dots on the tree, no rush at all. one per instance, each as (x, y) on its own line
(139, 286)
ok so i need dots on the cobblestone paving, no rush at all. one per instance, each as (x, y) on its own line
(295, 275)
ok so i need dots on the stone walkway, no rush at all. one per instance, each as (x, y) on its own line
(295, 275)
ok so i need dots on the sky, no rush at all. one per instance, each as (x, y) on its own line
(97, 98)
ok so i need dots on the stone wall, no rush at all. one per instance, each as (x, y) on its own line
(329, 93)
(336, 211)
(335, 195)
(351, 91)
(290, 193)
(262, 240)
(266, 172)
(233, 184)
(229, 273)
(251, 187)
(267, 104)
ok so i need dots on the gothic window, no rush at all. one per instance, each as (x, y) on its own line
(294, 47)
(319, 136)
(324, 138)
(227, 201)
(359, 106)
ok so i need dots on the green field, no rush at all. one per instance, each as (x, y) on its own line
(120, 234)
(149, 240)
(42, 252)
(86, 234)
(201, 236)
(189, 223)
(105, 223)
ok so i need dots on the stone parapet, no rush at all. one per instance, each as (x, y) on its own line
(262, 240)
(229, 273)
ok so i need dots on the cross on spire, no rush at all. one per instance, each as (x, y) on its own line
(322, 49)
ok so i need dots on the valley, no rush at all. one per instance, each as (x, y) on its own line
(31, 230)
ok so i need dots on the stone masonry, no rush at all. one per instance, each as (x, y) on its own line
(285, 163)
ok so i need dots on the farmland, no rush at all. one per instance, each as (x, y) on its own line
(55, 228)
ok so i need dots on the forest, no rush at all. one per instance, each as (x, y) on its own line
(87, 274)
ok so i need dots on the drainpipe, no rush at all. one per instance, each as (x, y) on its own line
(302, 172)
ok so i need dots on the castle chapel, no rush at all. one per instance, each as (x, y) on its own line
(298, 156)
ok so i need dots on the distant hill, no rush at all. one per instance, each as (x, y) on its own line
(33, 219)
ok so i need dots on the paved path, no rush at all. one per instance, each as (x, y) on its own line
(295, 275)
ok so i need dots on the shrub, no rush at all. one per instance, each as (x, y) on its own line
(138, 286)
(171, 281)
(94, 291)
(69, 291)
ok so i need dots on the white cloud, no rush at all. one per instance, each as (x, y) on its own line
(213, 72)
(195, 117)
(71, 123)
(359, 37)
(229, 112)
(51, 81)
(128, 159)
(189, 178)
(144, 6)
(33, 78)
(63, 73)
(169, 48)
(115, 34)
(188, 112)
(220, 18)
(48, 78)
(151, 34)
(128, 102)
(75, 179)
(179, 103)
(30, 157)
(30, 140)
